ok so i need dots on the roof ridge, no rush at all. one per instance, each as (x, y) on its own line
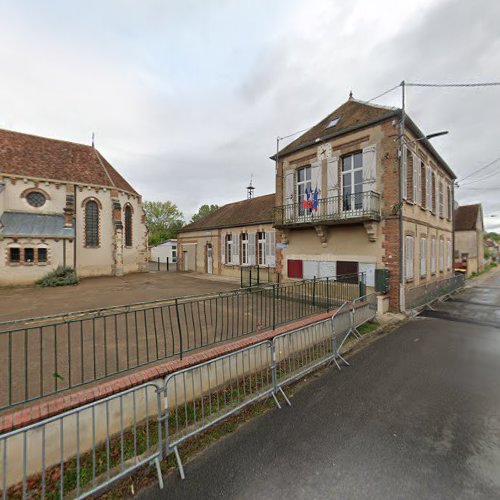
(36, 136)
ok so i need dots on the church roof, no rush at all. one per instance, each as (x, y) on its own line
(24, 155)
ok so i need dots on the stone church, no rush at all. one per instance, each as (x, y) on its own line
(62, 203)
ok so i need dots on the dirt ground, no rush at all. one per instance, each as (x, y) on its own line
(29, 302)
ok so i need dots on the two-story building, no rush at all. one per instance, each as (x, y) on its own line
(469, 234)
(346, 202)
(62, 203)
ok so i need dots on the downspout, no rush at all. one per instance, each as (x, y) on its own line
(74, 229)
(402, 305)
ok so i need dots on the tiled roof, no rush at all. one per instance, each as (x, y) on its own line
(466, 217)
(26, 224)
(351, 114)
(257, 210)
(25, 155)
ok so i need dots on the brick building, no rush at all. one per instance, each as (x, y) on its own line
(344, 205)
(62, 203)
(237, 234)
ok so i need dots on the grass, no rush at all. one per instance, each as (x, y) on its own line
(143, 439)
(486, 268)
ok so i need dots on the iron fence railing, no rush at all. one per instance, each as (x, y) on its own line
(364, 205)
(44, 356)
(427, 293)
(84, 450)
(258, 275)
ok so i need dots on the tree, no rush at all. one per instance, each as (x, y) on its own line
(492, 236)
(164, 219)
(203, 211)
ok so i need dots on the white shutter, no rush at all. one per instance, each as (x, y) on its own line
(310, 269)
(288, 194)
(370, 168)
(332, 176)
(236, 250)
(271, 248)
(433, 255)
(428, 188)
(369, 269)
(316, 177)
(251, 248)
(327, 269)
(223, 249)
(416, 164)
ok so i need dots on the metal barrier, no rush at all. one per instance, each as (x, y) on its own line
(364, 309)
(199, 397)
(426, 294)
(44, 356)
(82, 451)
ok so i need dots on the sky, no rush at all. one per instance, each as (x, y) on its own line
(186, 98)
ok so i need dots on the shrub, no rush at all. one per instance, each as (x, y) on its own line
(59, 277)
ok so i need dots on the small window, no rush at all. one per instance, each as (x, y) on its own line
(333, 122)
(229, 248)
(91, 224)
(409, 257)
(36, 199)
(261, 248)
(42, 255)
(29, 255)
(15, 255)
(244, 249)
(423, 257)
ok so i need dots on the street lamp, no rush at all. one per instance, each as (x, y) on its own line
(428, 136)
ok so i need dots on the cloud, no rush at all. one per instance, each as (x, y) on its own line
(187, 98)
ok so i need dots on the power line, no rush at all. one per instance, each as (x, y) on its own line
(479, 84)
(482, 179)
(480, 169)
(294, 133)
(384, 93)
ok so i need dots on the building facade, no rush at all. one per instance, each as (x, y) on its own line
(469, 234)
(164, 251)
(62, 203)
(236, 235)
(346, 202)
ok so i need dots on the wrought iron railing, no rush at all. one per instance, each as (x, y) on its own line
(364, 205)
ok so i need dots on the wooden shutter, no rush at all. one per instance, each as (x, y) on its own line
(223, 249)
(332, 176)
(404, 172)
(235, 254)
(294, 268)
(251, 248)
(271, 248)
(370, 168)
(316, 176)
(288, 192)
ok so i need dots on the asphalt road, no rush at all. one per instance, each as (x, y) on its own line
(416, 416)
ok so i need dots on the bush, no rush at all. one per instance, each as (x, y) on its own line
(59, 277)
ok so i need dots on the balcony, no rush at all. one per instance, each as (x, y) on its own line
(346, 209)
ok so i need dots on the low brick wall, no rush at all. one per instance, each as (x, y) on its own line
(56, 405)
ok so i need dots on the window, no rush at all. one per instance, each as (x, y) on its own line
(409, 257)
(448, 255)
(352, 181)
(333, 122)
(42, 255)
(229, 248)
(29, 255)
(174, 253)
(294, 268)
(433, 256)
(14, 255)
(36, 199)
(303, 188)
(244, 249)
(441, 199)
(423, 257)
(261, 248)
(91, 224)
(441, 255)
(128, 226)
(423, 185)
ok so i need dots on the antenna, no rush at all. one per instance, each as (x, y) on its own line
(250, 189)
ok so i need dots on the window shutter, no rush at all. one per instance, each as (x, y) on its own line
(370, 168)
(223, 249)
(316, 176)
(236, 250)
(271, 248)
(288, 194)
(404, 171)
(332, 176)
(416, 172)
(428, 189)
(251, 248)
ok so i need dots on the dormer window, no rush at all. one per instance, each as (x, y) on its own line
(36, 199)
(333, 122)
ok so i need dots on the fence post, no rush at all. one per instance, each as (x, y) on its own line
(167, 264)
(274, 306)
(327, 294)
(314, 291)
(178, 324)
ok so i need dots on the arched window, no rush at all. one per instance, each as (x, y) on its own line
(91, 224)
(128, 226)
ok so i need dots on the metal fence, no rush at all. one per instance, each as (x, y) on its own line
(82, 451)
(257, 275)
(158, 265)
(44, 356)
(423, 295)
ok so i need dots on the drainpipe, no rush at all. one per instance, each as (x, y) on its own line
(402, 304)
(74, 229)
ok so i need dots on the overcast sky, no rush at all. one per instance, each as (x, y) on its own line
(186, 98)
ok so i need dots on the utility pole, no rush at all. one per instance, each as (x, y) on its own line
(401, 191)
